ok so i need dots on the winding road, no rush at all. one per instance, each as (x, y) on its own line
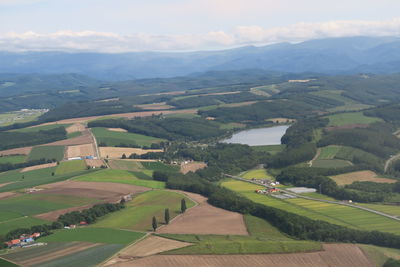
(317, 199)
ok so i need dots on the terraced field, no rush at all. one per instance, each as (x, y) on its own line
(139, 212)
(333, 213)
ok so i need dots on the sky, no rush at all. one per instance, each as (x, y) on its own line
(186, 25)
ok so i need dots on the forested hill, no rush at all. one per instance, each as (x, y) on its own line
(332, 56)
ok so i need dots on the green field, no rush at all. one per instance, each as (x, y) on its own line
(158, 166)
(4, 263)
(379, 255)
(94, 235)
(264, 238)
(328, 152)
(272, 149)
(19, 180)
(111, 138)
(89, 257)
(119, 176)
(258, 174)
(47, 152)
(41, 128)
(22, 222)
(330, 163)
(350, 118)
(349, 104)
(12, 159)
(333, 213)
(127, 165)
(139, 212)
(232, 125)
(388, 209)
(70, 166)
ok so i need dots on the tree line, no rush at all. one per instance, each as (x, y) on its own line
(12, 166)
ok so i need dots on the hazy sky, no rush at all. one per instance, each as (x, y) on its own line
(132, 25)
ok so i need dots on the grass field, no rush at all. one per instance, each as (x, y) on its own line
(264, 238)
(89, 257)
(330, 163)
(47, 152)
(388, 209)
(379, 255)
(22, 222)
(367, 176)
(333, 213)
(4, 263)
(119, 176)
(272, 149)
(258, 174)
(70, 166)
(112, 138)
(350, 118)
(232, 125)
(349, 104)
(139, 212)
(329, 152)
(12, 159)
(19, 180)
(159, 166)
(126, 165)
(94, 235)
(41, 128)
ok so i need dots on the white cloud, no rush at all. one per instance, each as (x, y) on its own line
(243, 35)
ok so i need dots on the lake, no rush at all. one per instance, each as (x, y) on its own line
(259, 137)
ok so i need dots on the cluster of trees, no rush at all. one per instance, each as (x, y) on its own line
(167, 128)
(376, 139)
(21, 139)
(12, 166)
(89, 215)
(309, 178)
(294, 225)
(391, 263)
(388, 113)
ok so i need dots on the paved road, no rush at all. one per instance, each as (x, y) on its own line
(317, 199)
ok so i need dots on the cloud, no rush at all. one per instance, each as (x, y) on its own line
(243, 35)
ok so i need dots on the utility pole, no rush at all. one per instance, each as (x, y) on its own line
(320, 189)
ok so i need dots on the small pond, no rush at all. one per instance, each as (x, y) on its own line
(258, 137)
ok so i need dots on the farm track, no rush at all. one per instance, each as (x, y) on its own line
(390, 160)
(310, 163)
(317, 199)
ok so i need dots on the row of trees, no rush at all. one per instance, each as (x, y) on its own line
(154, 223)
(12, 166)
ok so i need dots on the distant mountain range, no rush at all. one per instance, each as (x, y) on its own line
(326, 56)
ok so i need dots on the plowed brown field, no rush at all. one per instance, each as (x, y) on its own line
(342, 255)
(192, 167)
(16, 151)
(206, 219)
(362, 176)
(117, 152)
(80, 151)
(94, 162)
(85, 138)
(38, 167)
(53, 215)
(77, 127)
(5, 195)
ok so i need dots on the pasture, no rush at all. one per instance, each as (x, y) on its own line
(47, 152)
(128, 165)
(138, 213)
(257, 174)
(333, 213)
(94, 235)
(349, 104)
(360, 176)
(159, 166)
(328, 152)
(331, 163)
(350, 118)
(21, 222)
(13, 159)
(119, 176)
(41, 128)
(106, 137)
(272, 149)
(70, 166)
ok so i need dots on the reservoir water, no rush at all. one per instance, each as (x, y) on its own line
(259, 137)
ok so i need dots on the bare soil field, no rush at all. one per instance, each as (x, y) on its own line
(205, 219)
(123, 115)
(53, 215)
(192, 167)
(367, 176)
(38, 167)
(94, 162)
(77, 127)
(149, 246)
(333, 255)
(80, 151)
(5, 195)
(1, 185)
(117, 130)
(16, 151)
(347, 126)
(57, 254)
(155, 106)
(101, 190)
(116, 152)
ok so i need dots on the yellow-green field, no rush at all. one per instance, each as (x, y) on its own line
(258, 174)
(333, 213)
(350, 118)
(70, 166)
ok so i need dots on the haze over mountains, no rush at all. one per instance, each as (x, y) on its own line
(326, 56)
